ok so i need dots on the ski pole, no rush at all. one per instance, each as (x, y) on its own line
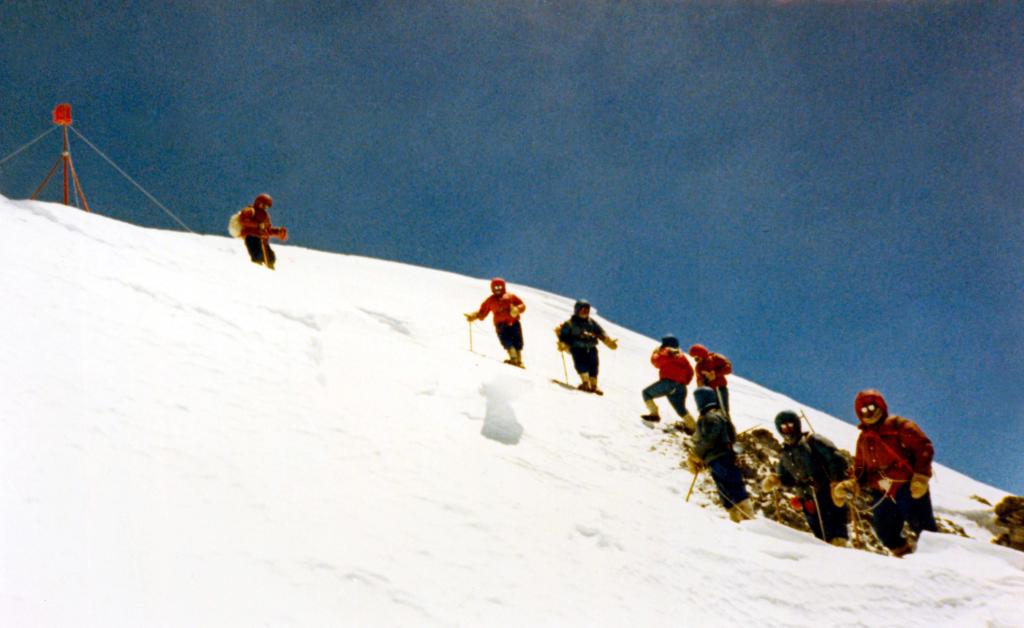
(470, 323)
(808, 421)
(263, 245)
(718, 391)
(565, 371)
(817, 509)
(690, 492)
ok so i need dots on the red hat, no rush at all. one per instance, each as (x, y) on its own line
(498, 282)
(865, 397)
(263, 199)
(698, 351)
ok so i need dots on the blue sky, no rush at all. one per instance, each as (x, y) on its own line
(829, 194)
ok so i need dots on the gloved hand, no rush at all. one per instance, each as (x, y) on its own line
(796, 503)
(470, 316)
(708, 375)
(771, 483)
(809, 507)
(843, 491)
(694, 463)
(918, 485)
(611, 343)
(513, 311)
(562, 346)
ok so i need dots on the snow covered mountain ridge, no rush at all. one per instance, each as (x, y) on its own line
(191, 440)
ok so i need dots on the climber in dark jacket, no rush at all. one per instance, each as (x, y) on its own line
(810, 463)
(579, 336)
(713, 448)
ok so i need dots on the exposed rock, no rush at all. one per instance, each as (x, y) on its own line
(949, 527)
(1010, 515)
(982, 500)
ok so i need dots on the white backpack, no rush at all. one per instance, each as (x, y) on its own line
(235, 226)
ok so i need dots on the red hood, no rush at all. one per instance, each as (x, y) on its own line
(865, 397)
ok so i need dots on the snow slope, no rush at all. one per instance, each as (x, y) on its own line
(190, 440)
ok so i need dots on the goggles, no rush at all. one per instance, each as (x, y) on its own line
(868, 409)
(787, 428)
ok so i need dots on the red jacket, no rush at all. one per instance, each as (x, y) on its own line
(894, 448)
(500, 306)
(256, 222)
(672, 364)
(719, 365)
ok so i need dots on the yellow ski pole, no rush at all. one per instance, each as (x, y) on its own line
(855, 522)
(264, 236)
(808, 420)
(565, 371)
(694, 481)
(470, 323)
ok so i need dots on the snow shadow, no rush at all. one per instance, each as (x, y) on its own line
(393, 323)
(500, 423)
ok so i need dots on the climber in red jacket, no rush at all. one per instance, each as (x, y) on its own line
(253, 224)
(507, 308)
(894, 462)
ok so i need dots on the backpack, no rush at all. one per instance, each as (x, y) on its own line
(828, 456)
(731, 431)
(235, 226)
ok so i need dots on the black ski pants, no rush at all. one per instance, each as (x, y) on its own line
(255, 247)
(832, 517)
(510, 335)
(892, 512)
(584, 359)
